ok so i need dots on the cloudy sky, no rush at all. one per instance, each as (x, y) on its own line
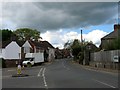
(59, 22)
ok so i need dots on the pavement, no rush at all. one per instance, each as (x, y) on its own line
(97, 68)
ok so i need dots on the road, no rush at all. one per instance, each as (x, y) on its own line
(61, 73)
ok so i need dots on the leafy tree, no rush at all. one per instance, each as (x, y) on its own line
(76, 48)
(67, 44)
(6, 34)
(27, 34)
(81, 57)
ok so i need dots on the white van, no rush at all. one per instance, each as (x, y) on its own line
(33, 58)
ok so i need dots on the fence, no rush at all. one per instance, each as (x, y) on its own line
(105, 59)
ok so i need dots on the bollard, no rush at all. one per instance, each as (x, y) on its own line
(23, 67)
(19, 69)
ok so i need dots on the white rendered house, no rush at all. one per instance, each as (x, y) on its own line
(12, 51)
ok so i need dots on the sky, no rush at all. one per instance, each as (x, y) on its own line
(59, 22)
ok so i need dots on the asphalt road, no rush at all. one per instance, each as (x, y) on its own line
(60, 73)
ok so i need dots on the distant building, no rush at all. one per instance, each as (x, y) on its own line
(58, 53)
(89, 48)
(66, 53)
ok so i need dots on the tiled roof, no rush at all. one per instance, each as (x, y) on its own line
(112, 35)
(46, 44)
(42, 44)
(3, 44)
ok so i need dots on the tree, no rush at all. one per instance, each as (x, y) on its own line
(67, 44)
(27, 34)
(76, 48)
(6, 34)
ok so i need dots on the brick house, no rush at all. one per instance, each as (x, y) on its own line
(110, 37)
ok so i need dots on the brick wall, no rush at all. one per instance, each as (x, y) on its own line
(10, 63)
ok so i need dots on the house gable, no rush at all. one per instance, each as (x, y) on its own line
(12, 51)
(27, 47)
(27, 44)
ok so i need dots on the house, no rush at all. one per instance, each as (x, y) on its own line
(89, 48)
(110, 37)
(63, 53)
(39, 47)
(46, 46)
(58, 53)
(11, 52)
(67, 53)
(104, 58)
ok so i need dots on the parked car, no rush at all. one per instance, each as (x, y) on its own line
(28, 62)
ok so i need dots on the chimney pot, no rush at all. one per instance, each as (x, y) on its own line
(116, 27)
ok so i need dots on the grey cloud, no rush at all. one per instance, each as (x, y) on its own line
(55, 15)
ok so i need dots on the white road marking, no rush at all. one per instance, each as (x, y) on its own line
(65, 66)
(2, 77)
(105, 84)
(44, 78)
(43, 75)
(40, 72)
(10, 70)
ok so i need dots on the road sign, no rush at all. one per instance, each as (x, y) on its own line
(116, 58)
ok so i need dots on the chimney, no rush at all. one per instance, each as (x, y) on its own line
(116, 27)
(81, 37)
